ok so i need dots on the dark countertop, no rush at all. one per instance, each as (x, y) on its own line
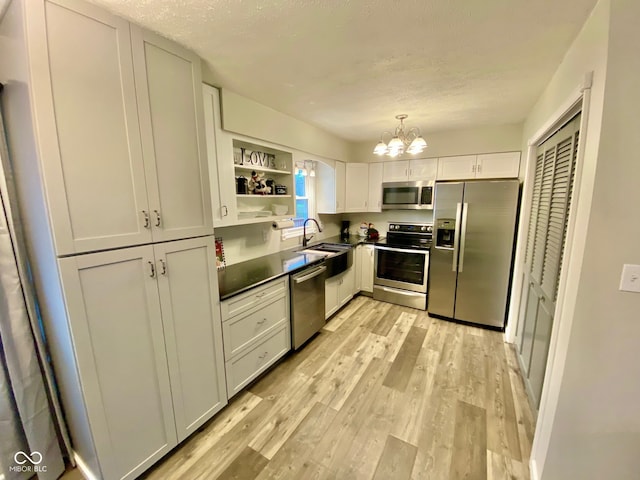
(244, 276)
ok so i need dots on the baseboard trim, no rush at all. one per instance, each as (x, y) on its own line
(84, 469)
(533, 470)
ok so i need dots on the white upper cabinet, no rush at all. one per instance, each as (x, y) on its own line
(223, 204)
(423, 169)
(340, 186)
(498, 165)
(396, 171)
(88, 128)
(169, 86)
(357, 187)
(119, 122)
(418, 169)
(374, 202)
(456, 168)
(490, 165)
(330, 187)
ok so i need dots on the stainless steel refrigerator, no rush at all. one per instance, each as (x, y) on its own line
(472, 254)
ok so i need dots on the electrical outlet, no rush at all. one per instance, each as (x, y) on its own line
(630, 280)
(265, 236)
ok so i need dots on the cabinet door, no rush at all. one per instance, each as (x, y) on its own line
(423, 169)
(374, 202)
(356, 190)
(331, 298)
(498, 165)
(169, 86)
(357, 262)
(114, 314)
(396, 171)
(457, 168)
(188, 285)
(340, 186)
(366, 268)
(88, 127)
(347, 286)
(220, 163)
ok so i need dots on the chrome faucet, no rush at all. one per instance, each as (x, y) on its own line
(305, 240)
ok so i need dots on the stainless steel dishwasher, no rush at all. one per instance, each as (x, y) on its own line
(307, 303)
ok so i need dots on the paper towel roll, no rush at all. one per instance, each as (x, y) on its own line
(281, 224)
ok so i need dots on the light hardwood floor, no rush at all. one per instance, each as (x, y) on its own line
(383, 392)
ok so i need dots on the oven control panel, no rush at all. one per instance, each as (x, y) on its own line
(411, 227)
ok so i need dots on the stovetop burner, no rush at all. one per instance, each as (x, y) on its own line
(410, 235)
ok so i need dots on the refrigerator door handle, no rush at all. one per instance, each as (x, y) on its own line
(463, 235)
(456, 237)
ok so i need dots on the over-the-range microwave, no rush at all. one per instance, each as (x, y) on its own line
(415, 195)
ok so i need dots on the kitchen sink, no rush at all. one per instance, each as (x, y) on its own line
(337, 258)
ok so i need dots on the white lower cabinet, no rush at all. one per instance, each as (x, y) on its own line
(256, 331)
(366, 268)
(147, 340)
(339, 290)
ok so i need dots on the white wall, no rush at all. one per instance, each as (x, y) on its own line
(596, 428)
(491, 139)
(382, 220)
(244, 116)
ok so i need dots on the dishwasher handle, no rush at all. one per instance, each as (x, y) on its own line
(310, 275)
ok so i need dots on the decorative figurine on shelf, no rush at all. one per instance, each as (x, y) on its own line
(258, 185)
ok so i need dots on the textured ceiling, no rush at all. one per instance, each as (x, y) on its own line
(349, 66)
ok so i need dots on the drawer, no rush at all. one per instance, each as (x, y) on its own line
(246, 301)
(241, 330)
(247, 366)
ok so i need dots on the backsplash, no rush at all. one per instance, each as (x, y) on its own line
(381, 220)
(246, 242)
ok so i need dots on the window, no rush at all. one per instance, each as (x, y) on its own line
(304, 187)
(302, 199)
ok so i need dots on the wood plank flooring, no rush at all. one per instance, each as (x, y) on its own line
(383, 392)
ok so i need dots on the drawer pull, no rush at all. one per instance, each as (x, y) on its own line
(261, 322)
(262, 357)
(260, 295)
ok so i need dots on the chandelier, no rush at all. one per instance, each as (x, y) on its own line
(401, 140)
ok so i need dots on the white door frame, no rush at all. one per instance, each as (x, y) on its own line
(578, 101)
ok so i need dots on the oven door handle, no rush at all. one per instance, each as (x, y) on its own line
(401, 292)
(403, 250)
(456, 237)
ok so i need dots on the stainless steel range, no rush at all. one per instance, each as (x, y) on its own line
(402, 265)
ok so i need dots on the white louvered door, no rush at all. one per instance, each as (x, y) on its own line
(548, 218)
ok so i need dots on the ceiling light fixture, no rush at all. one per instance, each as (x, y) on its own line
(409, 139)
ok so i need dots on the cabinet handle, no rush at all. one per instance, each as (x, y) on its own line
(226, 211)
(152, 273)
(158, 218)
(473, 168)
(163, 271)
(406, 172)
(146, 218)
(261, 357)
(261, 322)
(260, 295)
(479, 168)
(410, 172)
